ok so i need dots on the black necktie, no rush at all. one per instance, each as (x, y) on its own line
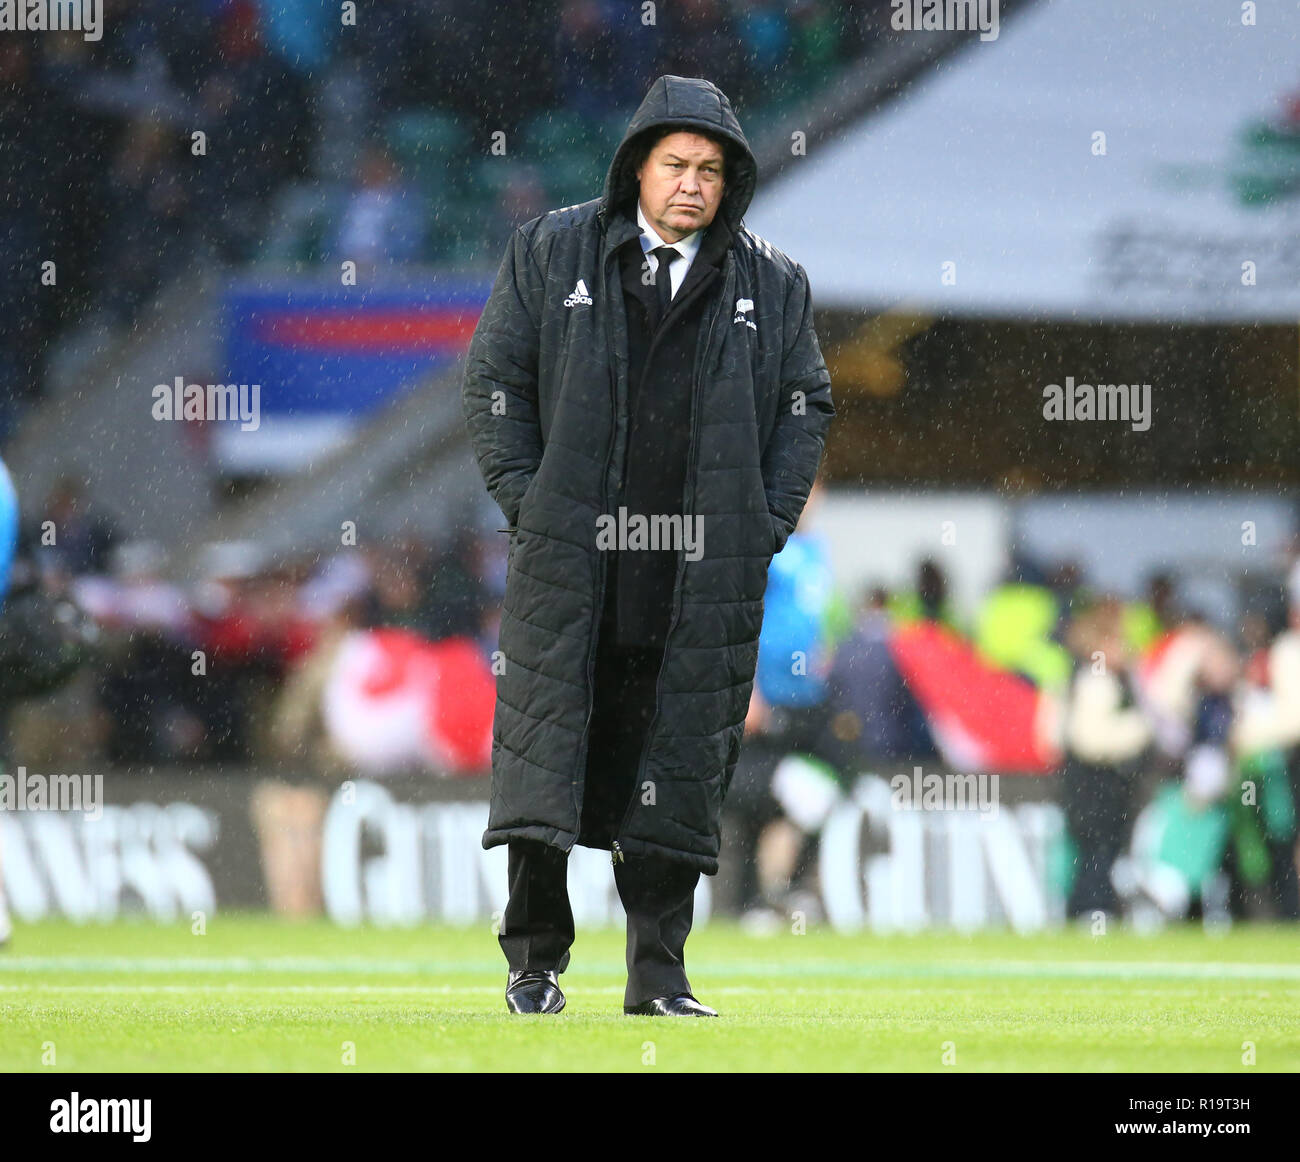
(663, 277)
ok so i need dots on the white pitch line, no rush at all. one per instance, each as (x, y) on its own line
(339, 989)
(1071, 969)
(336, 989)
(1142, 969)
(1135, 970)
(242, 965)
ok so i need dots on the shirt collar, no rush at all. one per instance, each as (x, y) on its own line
(688, 247)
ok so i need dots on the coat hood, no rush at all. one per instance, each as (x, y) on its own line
(685, 103)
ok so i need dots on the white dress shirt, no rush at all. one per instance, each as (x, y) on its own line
(688, 247)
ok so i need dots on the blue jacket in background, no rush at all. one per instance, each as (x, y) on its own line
(799, 593)
(8, 527)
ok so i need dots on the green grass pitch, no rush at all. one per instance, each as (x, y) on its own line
(256, 994)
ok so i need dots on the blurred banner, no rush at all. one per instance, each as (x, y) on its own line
(407, 851)
(327, 356)
(1100, 160)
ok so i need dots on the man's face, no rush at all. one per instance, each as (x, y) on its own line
(681, 184)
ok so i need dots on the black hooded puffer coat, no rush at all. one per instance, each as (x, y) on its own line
(545, 399)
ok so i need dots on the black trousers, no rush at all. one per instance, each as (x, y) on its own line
(659, 899)
(658, 894)
(1099, 806)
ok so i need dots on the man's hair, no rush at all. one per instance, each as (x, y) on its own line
(644, 145)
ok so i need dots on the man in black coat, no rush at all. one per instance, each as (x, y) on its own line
(648, 404)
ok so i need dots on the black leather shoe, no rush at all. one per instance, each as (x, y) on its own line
(533, 991)
(682, 1005)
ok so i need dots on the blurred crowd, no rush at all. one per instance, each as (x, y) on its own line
(1173, 745)
(197, 674)
(103, 174)
(320, 139)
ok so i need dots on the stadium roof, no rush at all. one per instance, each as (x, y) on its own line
(990, 164)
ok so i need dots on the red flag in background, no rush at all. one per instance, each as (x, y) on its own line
(984, 720)
(396, 700)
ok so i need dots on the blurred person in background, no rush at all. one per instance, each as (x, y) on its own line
(701, 39)
(150, 204)
(815, 39)
(601, 62)
(872, 711)
(8, 543)
(1068, 585)
(253, 110)
(72, 535)
(780, 798)
(763, 30)
(1106, 739)
(1207, 767)
(72, 543)
(1147, 619)
(23, 232)
(454, 592)
(143, 675)
(928, 600)
(382, 220)
(44, 636)
(785, 788)
(1186, 686)
(1018, 623)
(250, 628)
(523, 197)
(298, 737)
(397, 596)
(795, 644)
(289, 808)
(1266, 735)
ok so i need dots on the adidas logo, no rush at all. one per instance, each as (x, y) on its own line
(578, 295)
(743, 307)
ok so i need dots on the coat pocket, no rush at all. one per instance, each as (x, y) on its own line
(510, 550)
(526, 500)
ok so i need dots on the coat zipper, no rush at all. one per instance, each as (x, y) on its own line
(599, 601)
(616, 849)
